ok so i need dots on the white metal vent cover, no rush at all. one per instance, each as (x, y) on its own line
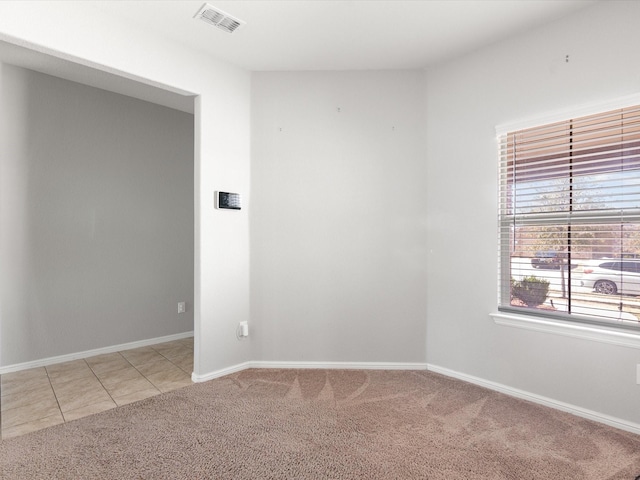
(216, 17)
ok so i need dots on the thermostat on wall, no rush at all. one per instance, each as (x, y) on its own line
(228, 200)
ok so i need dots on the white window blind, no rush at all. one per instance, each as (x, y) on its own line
(569, 219)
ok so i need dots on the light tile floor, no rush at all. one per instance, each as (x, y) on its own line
(41, 397)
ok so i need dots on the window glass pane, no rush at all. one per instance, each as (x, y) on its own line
(576, 269)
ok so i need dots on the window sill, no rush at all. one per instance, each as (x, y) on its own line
(603, 335)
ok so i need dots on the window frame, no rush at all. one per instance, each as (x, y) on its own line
(514, 316)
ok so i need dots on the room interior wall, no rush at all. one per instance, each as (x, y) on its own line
(466, 98)
(589, 57)
(338, 217)
(73, 31)
(96, 215)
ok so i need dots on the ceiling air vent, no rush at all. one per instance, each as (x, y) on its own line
(216, 17)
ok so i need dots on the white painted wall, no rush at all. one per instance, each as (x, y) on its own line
(96, 218)
(221, 152)
(338, 217)
(526, 76)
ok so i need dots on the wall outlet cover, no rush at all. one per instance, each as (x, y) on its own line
(244, 329)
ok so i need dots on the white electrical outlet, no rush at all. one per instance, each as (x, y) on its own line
(244, 329)
(182, 307)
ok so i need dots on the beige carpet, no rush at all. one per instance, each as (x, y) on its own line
(326, 424)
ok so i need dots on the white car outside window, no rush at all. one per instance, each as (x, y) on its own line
(611, 276)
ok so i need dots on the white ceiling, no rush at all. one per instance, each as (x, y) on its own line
(293, 35)
(341, 34)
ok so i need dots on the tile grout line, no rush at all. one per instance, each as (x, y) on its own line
(55, 395)
(102, 384)
(143, 375)
(2, 429)
(167, 359)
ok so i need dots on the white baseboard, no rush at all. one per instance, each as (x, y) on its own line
(309, 365)
(220, 373)
(342, 365)
(91, 353)
(539, 399)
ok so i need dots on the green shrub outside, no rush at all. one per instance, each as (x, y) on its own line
(532, 291)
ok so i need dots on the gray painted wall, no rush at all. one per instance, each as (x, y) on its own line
(525, 77)
(338, 217)
(96, 218)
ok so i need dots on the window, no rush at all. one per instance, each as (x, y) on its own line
(569, 219)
